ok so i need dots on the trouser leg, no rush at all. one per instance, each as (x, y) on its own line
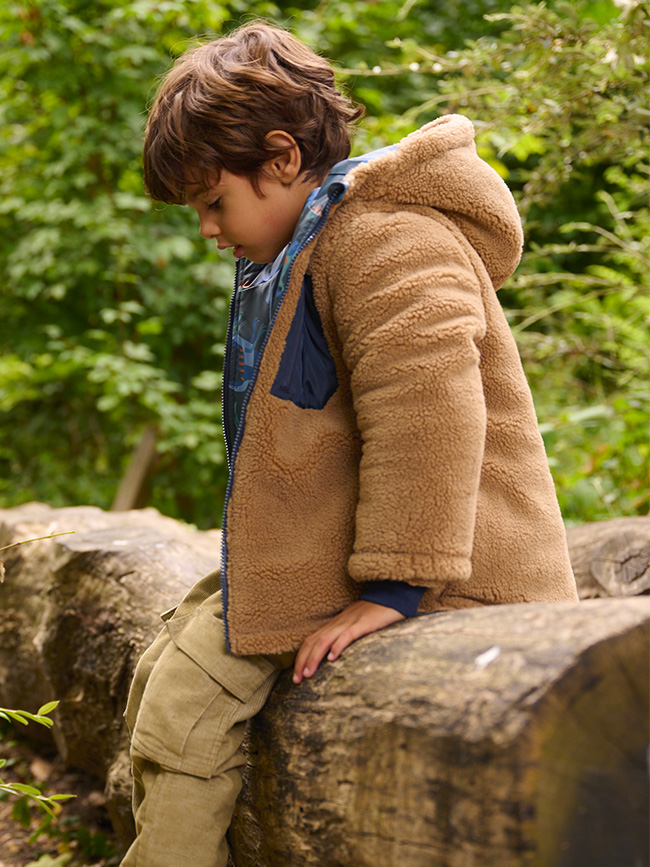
(187, 729)
(182, 819)
(203, 590)
(141, 676)
(201, 842)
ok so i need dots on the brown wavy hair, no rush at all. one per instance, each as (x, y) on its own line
(220, 99)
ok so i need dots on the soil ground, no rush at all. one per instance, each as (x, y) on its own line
(80, 836)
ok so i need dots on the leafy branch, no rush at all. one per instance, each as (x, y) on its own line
(20, 790)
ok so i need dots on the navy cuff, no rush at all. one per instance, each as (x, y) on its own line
(403, 597)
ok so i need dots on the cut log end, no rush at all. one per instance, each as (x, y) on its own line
(611, 558)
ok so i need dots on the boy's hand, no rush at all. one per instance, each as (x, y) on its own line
(359, 618)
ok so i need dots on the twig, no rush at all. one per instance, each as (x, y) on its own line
(38, 539)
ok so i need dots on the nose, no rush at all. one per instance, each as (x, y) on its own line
(208, 227)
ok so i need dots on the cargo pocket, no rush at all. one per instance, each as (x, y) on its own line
(196, 692)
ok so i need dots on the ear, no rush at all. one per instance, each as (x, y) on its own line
(285, 167)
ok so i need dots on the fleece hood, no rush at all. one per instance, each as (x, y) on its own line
(437, 166)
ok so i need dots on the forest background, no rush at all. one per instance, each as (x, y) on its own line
(113, 309)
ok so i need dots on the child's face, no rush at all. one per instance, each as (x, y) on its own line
(257, 227)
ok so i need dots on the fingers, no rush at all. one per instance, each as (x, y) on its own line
(359, 618)
(313, 650)
(343, 641)
(310, 656)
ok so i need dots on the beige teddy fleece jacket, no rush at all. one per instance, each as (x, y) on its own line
(426, 464)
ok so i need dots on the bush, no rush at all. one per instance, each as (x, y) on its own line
(117, 309)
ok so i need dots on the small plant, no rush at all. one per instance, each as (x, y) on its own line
(69, 833)
(22, 790)
(48, 861)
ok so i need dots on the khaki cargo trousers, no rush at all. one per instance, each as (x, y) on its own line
(187, 712)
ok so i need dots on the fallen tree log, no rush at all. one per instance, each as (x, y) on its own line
(77, 613)
(497, 736)
(611, 558)
(507, 735)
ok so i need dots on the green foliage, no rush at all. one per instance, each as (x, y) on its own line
(66, 831)
(48, 861)
(117, 308)
(23, 717)
(117, 316)
(26, 793)
(69, 832)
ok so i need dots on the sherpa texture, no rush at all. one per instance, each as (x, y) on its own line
(426, 465)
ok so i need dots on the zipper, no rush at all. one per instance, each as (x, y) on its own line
(240, 429)
(226, 367)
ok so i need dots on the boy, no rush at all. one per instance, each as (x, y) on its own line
(382, 443)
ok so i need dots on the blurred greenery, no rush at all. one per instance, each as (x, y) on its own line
(114, 308)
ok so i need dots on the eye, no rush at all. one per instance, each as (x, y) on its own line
(213, 206)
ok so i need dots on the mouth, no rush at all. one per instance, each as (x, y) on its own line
(238, 250)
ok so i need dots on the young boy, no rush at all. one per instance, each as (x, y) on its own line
(382, 443)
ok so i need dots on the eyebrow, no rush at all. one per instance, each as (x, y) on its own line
(193, 191)
(191, 195)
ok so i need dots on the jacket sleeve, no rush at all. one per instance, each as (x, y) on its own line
(398, 595)
(409, 314)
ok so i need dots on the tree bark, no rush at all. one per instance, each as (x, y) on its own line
(611, 558)
(133, 491)
(506, 735)
(502, 736)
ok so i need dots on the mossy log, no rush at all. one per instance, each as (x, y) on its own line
(509, 735)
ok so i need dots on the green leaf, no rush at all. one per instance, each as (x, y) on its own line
(47, 708)
(17, 716)
(27, 790)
